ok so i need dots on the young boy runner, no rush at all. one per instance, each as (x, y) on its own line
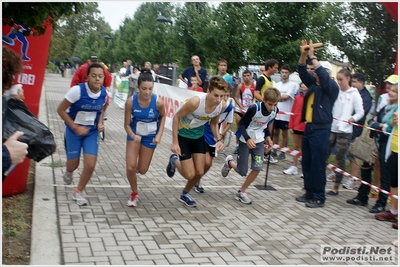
(227, 117)
(188, 135)
(252, 128)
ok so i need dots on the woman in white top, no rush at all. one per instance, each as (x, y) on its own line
(348, 108)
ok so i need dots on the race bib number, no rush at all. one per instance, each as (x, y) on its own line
(85, 117)
(143, 128)
(255, 135)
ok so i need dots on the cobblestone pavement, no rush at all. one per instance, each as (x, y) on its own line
(274, 230)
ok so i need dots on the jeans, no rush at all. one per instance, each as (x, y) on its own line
(314, 149)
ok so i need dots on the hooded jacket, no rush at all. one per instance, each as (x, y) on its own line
(345, 105)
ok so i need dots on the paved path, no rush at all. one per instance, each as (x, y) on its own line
(274, 230)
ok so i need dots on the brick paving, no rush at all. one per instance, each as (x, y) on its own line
(274, 230)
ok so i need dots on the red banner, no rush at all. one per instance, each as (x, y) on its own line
(34, 51)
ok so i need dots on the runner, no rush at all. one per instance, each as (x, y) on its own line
(83, 122)
(227, 117)
(253, 132)
(187, 135)
(144, 125)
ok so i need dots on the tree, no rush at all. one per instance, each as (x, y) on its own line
(194, 33)
(34, 14)
(74, 33)
(275, 30)
(368, 36)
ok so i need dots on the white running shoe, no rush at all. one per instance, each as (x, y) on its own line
(133, 200)
(226, 168)
(331, 176)
(67, 178)
(350, 184)
(271, 159)
(80, 198)
(292, 170)
(242, 197)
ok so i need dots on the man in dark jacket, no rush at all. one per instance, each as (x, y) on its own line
(317, 112)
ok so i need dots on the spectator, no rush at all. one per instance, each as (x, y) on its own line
(122, 70)
(263, 83)
(252, 128)
(129, 68)
(358, 81)
(317, 112)
(244, 98)
(147, 65)
(197, 71)
(222, 68)
(156, 70)
(378, 122)
(16, 91)
(254, 77)
(133, 81)
(144, 125)
(62, 69)
(80, 75)
(13, 151)
(188, 135)
(83, 122)
(297, 127)
(74, 68)
(391, 158)
(236, 78)
(348, 107)
(195, 86)
(287, 89)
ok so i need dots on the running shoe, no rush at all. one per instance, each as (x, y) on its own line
(170, 166)
(242, 197)
(350, 184)
(79, 197)
(133, 200)
(188, 200)
(387, 216)
(270, 158)
(292, 170)
(198, 188)
(67, 178)
(281, 156)
(331, 177)
(226, 167)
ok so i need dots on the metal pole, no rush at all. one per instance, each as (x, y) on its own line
(169, 59)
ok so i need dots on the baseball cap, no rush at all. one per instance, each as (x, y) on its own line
(326, 65)
(393, 79)
(93, 57)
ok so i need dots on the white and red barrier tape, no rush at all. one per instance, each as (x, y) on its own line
(336, 169)
(356, 124)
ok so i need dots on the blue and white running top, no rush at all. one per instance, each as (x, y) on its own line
(86, 110)
(145, 121)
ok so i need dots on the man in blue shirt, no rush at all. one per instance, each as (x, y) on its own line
(197, 71)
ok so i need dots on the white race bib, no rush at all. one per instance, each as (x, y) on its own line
(255, 134)
(146, 128)
(85, 117)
